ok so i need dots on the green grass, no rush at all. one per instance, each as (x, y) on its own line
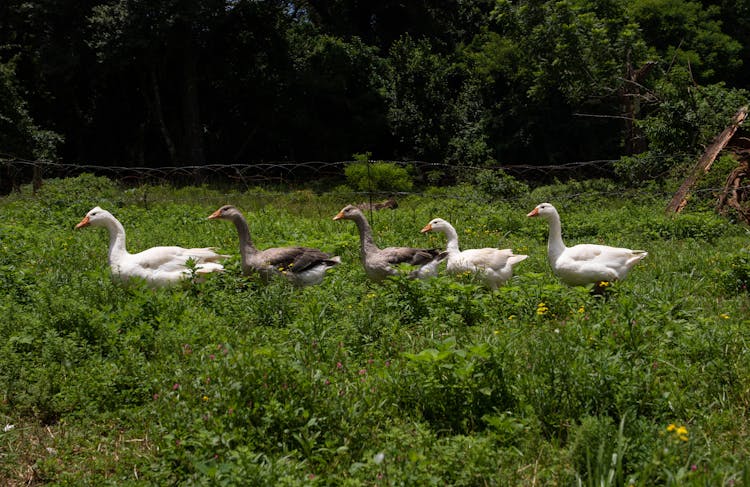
(441, 382)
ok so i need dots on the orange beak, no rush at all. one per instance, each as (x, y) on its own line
(215, 215)
(83, 223)
(533, 212)
(339, 216)
(426, 228)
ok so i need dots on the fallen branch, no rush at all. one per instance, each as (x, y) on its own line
(679, 200)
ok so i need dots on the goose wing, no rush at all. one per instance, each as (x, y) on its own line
(296, 259)
(173, 258)
(488, 258)
(603, 254)
(409, 255)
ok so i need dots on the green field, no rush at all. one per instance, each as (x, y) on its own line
(437, 382)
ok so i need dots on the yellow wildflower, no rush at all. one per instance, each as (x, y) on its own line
(681, 432)
(541, 309)
(205, 398)
(724, 315)
(581, 309)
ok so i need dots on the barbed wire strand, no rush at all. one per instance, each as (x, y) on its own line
(263, 172)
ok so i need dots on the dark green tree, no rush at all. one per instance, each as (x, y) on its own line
(690, 34)
(420, 86)
(553, 74)
(162, 41)
(20, 136)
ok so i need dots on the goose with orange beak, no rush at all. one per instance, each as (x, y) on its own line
(584, 263)
(302, 266)
(379, 263)
(493, 266)
(158, 266)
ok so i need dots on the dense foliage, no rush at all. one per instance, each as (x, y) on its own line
(437, 382)
(159, 82)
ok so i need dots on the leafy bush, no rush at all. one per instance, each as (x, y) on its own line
(455, 387)
(649, 166)
(582, 190)
(497, 184)
(702, 226)
(81, 192)
(378, 177)
(737, 277)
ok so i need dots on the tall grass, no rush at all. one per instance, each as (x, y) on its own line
(438, 382)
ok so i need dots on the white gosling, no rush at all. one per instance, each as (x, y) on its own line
(302, 266)
(584, 263)
(493, 266)
(158, 266)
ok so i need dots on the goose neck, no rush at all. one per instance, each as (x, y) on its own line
(246, 243)
(555, 244)
(365, 235)
(452, 239)
(117, 248)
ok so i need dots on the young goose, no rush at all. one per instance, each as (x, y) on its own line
(303, 266)
(158, 266)
(494, 266)
(378, 262)
(585, 263)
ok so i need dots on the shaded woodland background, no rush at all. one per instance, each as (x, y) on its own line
(482, 83)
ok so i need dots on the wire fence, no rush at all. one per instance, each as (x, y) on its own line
(281, 177)
(18, 171)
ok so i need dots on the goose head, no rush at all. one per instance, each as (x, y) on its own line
(349, 212)
(436, 225)
(226, 212)
(544, 210)
(96, 217)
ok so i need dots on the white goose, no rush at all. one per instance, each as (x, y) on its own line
(584, 263)
(303, 266)
(494, 266)
(158, 266)
(378, 262)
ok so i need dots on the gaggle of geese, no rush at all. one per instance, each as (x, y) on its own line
(579, 265)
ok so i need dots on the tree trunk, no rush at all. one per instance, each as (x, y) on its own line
(630, 97)
(192, 146)
(158, 113)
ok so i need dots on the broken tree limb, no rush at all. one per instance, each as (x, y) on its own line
(735, 194)
(679, 200)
